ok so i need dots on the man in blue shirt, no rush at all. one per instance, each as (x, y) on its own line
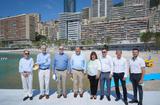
(60, 67)
(78, 68)
(44, 61)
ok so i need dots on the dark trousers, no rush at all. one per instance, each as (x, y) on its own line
(135, 78)
(117, 77)
(93, 84)
(104, 78)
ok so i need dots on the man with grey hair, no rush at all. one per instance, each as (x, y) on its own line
(44, 61)
(78, 68)
(60, 67)
(25, 70)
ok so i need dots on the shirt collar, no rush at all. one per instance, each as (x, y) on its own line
(61, 53)
(135, 58)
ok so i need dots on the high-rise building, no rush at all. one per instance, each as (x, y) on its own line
(19, 28)
(69, 5)
(119, 31)
(86, 13)
(101, 8)
(70, 26)
(136, 2)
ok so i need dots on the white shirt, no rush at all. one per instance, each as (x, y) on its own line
(137, 65)
(93, 67)
(26, 65)
(106, 64)
(120, 66)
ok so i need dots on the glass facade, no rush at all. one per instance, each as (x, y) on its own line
(69, 5)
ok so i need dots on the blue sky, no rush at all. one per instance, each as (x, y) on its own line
(49, 9)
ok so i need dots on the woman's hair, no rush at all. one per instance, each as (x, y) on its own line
(93, 53)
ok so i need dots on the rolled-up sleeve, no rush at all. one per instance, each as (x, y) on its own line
(99, 65)
(111, 65)
(20, 66)
(31, 65)
(126, 68)
(84, 64)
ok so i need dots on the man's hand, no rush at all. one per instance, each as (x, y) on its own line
(110, 76)
(141, 81)
(97, 76)
(124, 78)
(25, 75)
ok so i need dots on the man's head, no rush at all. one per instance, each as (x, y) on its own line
(119, 53)
(104, 52)
(78, 50)
(26, 54)
(44, 49)
(61, 49)
(135, 52)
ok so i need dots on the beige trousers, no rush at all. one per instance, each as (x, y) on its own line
(61, 81)
(78, 81)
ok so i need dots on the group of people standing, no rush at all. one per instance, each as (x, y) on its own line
(98, 69)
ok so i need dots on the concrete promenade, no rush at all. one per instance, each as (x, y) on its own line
(15, 97)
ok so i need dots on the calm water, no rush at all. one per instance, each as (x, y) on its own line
(10, 77)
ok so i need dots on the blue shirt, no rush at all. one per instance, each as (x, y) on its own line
(26, 65)
(78, 62)
(60, 62)
(44, 60)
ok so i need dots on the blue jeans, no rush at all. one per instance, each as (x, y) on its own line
(104, 78)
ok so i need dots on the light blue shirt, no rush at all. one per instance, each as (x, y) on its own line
(43, 60)
(26, 65)
(60, 62)
(78, 62)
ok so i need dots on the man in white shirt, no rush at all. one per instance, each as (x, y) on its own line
(25, 69)
(106, 73)
(137, 71)
(44, 62)
(120, 71)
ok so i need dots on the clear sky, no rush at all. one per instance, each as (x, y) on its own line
(49, 9)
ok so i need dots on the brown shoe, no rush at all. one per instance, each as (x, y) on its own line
(65, 95)
(47, 96)
(75, 95)
(91, 97)
(59, 96)
(81, 95)
(41, 96)
(95, 97)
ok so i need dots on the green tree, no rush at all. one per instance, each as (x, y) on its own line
(146, 37)
(157, 40)
(108, 40)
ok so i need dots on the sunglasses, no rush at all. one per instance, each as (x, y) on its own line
(26, 53)
(103, 51)
(60, 48)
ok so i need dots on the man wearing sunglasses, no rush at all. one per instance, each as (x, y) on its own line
(25, 69)
(106, 73)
